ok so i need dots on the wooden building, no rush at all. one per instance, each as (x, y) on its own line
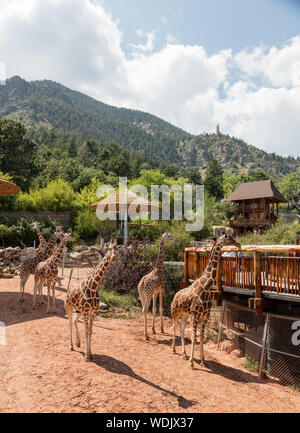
(256, 205)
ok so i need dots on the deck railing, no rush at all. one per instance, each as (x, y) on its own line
(257, 271)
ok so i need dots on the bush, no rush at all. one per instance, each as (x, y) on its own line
(278, 234)
(125, 273)
(85, 225)
(58, 195)
(20, 231)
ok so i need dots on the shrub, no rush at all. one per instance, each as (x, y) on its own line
(58, 195)
(126, 272)
(20, 231)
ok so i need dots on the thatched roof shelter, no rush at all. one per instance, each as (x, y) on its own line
(8, 188)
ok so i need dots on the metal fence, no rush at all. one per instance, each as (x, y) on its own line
(270, 342)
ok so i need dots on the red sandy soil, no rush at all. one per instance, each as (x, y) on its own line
(38, 372)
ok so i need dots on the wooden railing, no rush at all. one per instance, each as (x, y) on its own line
(258, 271)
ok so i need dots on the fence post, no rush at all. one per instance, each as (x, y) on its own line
(263, 348)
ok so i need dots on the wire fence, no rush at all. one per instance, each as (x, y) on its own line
(270, 342)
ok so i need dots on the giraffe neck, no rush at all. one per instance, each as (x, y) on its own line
(47, 251)
(161, 255)
(95, 278)
(208, 277)
(56, 258)
(40, 236)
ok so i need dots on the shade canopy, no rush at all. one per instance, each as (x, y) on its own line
(7, 187)
(122, 200)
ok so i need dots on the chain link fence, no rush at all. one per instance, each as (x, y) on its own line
(270, 342)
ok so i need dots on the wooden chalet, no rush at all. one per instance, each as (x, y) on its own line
(256, 205)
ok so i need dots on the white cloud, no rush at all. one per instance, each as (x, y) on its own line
(149, 44)
(254, 94)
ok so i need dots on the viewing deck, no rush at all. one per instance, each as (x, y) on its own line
(260, 273)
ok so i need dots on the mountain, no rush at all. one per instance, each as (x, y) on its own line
(49, 105)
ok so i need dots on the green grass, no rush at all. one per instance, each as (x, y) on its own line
(252, 365)
(295, 387)
(127, 304)
(211, 336)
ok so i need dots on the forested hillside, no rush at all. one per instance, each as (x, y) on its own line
(50, 110)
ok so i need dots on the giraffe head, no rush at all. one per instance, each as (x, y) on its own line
(225, 239)
(168, 238)
(35, 224)
(111, 249)
(69, 238)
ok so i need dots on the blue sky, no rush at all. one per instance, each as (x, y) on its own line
(193, 63)
(215, 24)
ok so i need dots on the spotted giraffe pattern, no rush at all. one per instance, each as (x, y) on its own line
(28, 267)
(46, 273)
(84, 300)
(42, 240)
(194, 301)
(152, 285)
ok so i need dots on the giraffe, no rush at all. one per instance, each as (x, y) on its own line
(84, 300)
(26, 268)
(42, 240)
(153, 284)
(195, 300)
(46, 273)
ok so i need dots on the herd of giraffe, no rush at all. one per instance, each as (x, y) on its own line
(83, 301)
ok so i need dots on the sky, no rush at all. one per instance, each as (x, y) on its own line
(193, 63)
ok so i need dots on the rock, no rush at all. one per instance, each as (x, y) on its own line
(227, 346)
(237, 353)
(75, 256)
(103, 306)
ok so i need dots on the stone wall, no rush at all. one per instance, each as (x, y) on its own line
(63, 218)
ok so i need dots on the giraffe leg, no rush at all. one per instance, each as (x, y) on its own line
(161, 311)
(48, 294)
(154, 313)
(23, 280)
(145, 310)
(90, 331)
(75, 321)
(41, 298)
(194, 324)
(70, 317)
(35, 290)
(182, 329)
(175, 322)
(202, 327)
(53, 296)
(87, 348)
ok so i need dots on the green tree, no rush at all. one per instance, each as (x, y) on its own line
(214, 180)
(17, 153)
(258, 174)
(232, 180)
(289, 185)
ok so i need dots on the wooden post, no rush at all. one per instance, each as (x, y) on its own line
(257, 283)
(219, 287)
(185, 282)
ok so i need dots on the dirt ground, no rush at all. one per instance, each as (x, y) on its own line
(38, 373)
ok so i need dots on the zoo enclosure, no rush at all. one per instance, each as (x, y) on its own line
(271, 342)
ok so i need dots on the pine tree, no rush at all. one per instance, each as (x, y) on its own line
(213, 183)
